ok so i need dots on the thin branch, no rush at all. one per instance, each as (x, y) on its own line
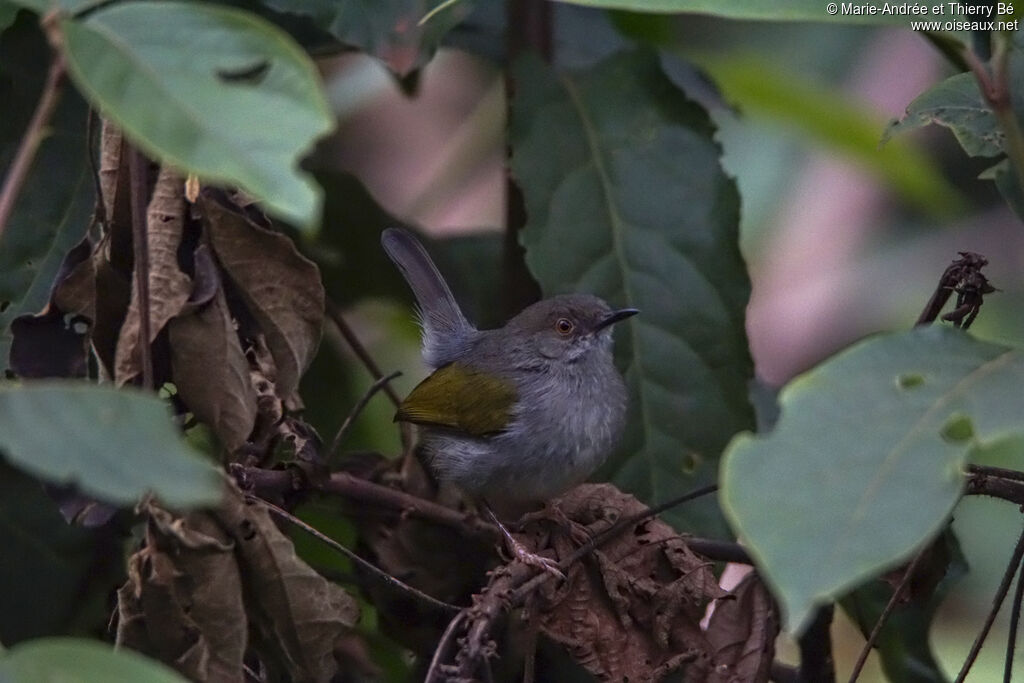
(1011, 642)
(908, 574)
(33, 136)
(334, 313)
(984, 481)
(138, 172)
(356, 410)
(362, 491)
(999, 472)
(441, 651)
(997, 601)
(368, 566)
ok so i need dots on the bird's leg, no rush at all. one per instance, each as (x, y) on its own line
(520, 552)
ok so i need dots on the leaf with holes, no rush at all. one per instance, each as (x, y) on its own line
(955, 103)
(865, 463)
(212, 90)
(626, 199)
(280, 286)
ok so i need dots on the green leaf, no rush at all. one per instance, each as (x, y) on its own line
(955, 103)
(387, 29)
(878, 433)
(43, 6)
(76, 660)
(211, 90)
(8, 11)
(776, 10)
(53, 209)
(904, 643)
(626, 199)
(114, 444)
(833, 120)
(56, 576)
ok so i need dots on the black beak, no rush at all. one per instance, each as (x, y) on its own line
(614, 317)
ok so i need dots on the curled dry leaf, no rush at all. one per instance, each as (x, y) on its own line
(298, 615)
(632, 610)
(211, 373)
(281, 288)
(182, 602)
(742, 632)
(169, 288)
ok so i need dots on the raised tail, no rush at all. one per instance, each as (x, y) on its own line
(445, 329)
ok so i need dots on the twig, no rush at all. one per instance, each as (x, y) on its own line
(359, 490)
(356, 410)
(997, 601)
(138, 173)
(1000, 472)
(334, 313)
(433, 671)
(982, 481)
(368, 566)
(1011, 641)
(908, 574)
(33, 136)
(720, 551)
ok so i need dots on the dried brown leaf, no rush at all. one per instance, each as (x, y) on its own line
(300, 617)
(183, 600)
(633, 609)
(169, 288)
(112, 291)
(211, 373)
(115, 191)
(742, 632)
(281, 288)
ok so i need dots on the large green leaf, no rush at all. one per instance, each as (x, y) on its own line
(772, 10)
(212, 90)
(114, 444)
(904, 643)
(955, 103)
(387, 29)
(52, 211)
(76, 660)
(831, 119)
(626, 199)
(865, 462)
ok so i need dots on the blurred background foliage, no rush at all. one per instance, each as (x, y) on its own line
(843, 236)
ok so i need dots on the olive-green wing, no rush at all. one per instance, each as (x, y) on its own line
(461, 398)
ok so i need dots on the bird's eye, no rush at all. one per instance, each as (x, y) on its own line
(564, 326)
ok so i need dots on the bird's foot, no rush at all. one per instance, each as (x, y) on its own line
(519, 551)
(532, 559)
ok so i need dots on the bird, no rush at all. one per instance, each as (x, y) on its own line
(517, 415)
